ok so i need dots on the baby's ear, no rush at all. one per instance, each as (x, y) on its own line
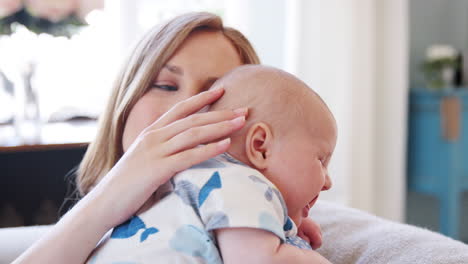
(258, 143)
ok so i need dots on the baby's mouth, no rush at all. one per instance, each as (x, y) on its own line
(305, 211)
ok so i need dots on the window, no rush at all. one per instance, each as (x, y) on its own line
(74, 76)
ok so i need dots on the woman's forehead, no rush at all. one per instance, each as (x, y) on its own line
(204, 54)
(208, 44)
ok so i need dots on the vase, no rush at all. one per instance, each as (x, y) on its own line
(442, 78)
(448, 77)
(26, 119)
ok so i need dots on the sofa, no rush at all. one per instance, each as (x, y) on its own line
(349, 236)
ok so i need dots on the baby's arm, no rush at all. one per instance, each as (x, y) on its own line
(251, 245)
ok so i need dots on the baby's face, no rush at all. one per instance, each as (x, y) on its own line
(300, 163)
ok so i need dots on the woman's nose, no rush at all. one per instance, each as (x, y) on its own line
(190, 92)
(194, 86)
(328, 183)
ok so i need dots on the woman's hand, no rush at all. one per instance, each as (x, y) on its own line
(310, 232)
(169, 145)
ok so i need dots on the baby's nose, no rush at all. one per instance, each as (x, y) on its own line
(328, 183)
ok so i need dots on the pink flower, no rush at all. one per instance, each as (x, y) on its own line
(8, 7)
(53, 10)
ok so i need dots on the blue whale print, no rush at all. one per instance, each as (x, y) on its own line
(194, 196)
(130, 227)
(213, 183)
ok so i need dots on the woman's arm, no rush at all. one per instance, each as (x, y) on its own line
(73, 238)
(166, 147)
(259, 246)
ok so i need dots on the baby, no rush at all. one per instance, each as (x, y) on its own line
(246, 204)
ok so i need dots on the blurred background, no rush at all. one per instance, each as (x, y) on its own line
(392, 72)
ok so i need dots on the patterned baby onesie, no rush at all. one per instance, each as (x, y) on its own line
(218, 193)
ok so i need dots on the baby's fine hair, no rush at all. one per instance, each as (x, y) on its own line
(272, 95)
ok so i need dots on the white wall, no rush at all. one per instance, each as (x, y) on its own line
(263, 23)
(391, 107)
(362, 111)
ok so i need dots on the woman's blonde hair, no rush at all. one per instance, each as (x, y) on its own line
(136, 75)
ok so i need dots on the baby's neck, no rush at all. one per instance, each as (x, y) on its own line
(239, 154)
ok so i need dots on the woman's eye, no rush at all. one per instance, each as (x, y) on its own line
(165, 87)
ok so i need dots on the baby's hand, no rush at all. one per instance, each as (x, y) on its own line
(310, 232)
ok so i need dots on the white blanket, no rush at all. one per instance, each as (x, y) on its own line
(352, 236)
(349, 236)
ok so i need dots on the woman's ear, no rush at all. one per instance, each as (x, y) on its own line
(258, 144)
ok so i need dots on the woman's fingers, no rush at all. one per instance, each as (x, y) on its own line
(190, 157)
(198, 120)
(188, 107)
(202, 134)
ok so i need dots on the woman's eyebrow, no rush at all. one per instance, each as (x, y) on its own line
(174, 69)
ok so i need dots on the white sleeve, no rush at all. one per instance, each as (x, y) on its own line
(238, 196)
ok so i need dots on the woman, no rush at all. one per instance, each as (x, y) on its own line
(150, 130)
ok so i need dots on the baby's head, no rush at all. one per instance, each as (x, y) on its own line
(289, 136)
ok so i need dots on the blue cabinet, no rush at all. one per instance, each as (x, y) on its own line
(438, 151)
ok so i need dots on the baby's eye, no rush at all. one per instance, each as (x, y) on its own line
(170, 88)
